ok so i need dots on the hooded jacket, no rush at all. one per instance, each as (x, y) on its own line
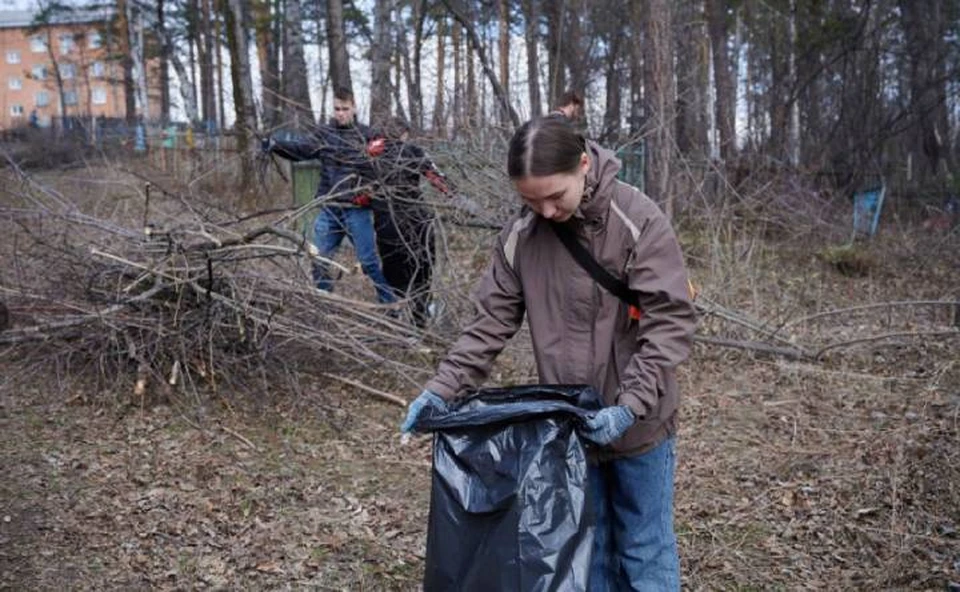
(581, 333)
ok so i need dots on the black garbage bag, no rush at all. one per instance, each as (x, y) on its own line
(509, 504)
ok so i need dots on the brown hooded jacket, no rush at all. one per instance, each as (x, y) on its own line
(581, 333)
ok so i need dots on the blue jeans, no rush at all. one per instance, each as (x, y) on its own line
(635, 547)
(333, 223)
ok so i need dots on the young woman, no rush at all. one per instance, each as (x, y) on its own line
(583, 334)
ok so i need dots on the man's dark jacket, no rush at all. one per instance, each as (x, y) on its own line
(346, 167)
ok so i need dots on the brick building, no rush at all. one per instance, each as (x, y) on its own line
(73, 43)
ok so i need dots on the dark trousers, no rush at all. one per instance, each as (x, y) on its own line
(406, 245)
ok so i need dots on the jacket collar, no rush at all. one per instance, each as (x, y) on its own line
(596, 190)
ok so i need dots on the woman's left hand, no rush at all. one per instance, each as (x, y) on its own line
(608, 425)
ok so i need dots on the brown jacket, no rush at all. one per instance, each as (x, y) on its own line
(581, 333)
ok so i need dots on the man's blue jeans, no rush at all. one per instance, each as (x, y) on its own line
(635, 547)
(333, 223)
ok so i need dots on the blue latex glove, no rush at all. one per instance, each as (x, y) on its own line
(426, 399)
(609, 424)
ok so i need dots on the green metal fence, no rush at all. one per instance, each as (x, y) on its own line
(632, 165)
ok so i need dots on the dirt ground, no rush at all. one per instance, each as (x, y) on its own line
(836, 474)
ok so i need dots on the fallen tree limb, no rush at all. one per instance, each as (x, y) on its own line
(843, 311)
(791, 353)
(885, 336)
(385, 396)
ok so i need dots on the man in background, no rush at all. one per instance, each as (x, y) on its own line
(345, 176)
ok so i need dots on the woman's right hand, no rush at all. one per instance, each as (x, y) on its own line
(426, 399)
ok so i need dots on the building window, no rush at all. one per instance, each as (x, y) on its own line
(66, 42)
(96, 69)
(14, 83)
(94, 40)
(69, 97)
(16, 110)
(67, 71)
(43, 98)
(13, 57)
(99, 96)
(39, 72)
(38, 44)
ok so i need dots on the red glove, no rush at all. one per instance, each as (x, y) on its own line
(362, 199)
(376, 146)
(438, 182)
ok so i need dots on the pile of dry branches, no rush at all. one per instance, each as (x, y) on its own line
(192, 296)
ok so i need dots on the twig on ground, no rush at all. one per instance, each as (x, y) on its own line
(385, 396)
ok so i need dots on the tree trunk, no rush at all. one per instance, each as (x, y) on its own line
(414, 80)
(126, 61)
(164, 64)
(531, 39)
(793, 110)
(337, 42)
(574, 50)
(924, 29)
(380, 63)
(556, 75)
(692, 80)
(267, 58)
(242, 93)
(503, 49)
(637, 114)
(187, 91)
(723, 79)
(659, 100)
(438, 114)
(456, 39)
(398, 72)
(473, 118)
(205, 54)
(297, 110)
(614, 84)
(218, 37)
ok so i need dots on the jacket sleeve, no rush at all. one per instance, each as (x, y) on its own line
(297, 147)
(499, 314)
(656, 272)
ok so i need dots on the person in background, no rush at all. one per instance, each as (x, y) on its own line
(404, 223)
(342, 148)
(570, 106)
(583, 334)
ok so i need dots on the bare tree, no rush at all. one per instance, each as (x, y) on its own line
(268, 55)
(439, 116)
(242, 89)
(503, 47)
(531, 38)
(723, 78)
(456, 40)
(337, 44)
(380, 91)
(126, 59)
(924, 28)
(692, 78)
(164, 63)
(205, 56)
(556, 74)
(659, 100)
(457, 10)
(293, 80)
